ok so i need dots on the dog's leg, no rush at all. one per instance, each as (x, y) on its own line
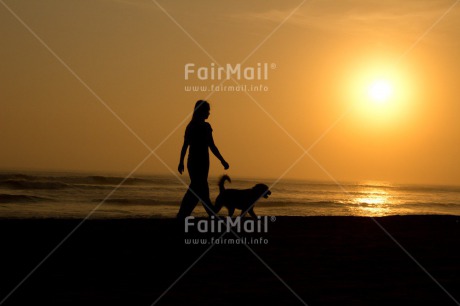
(243, 213)
(231, 211)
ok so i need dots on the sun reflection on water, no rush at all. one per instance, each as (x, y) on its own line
(374, 203)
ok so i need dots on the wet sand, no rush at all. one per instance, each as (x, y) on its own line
(312, 260)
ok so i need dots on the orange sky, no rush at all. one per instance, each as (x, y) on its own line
(62, 105)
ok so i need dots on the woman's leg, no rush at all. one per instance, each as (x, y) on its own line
(202, 187)
(189, 202)
(203, 193)
(198, 191)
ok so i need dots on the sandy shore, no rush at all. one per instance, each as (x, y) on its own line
(317, 260)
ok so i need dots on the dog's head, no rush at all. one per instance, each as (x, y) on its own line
(262, 190)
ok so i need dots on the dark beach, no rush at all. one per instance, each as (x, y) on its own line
(315, 260)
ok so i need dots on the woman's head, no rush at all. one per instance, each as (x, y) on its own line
(201, 110)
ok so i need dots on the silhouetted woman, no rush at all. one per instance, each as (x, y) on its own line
(198, 136)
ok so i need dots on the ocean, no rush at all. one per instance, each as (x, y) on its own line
(70, 195)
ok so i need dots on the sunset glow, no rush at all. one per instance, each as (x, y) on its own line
(380, 91)
(364, 83)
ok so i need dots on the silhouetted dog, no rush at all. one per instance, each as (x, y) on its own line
(242, 199)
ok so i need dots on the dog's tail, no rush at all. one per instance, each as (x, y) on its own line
(222, 182)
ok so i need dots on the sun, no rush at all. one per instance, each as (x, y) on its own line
(381, 95)
(380, 91)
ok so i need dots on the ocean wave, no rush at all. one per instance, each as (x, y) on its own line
(288, 203)
(23, 181)
(15, 176)
(24, 184)
(433, 204)
(19, 198)
(430, 189)
(108, 180)
(136, 201)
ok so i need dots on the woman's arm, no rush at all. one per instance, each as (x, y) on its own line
(182, 156)
(216, 152)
